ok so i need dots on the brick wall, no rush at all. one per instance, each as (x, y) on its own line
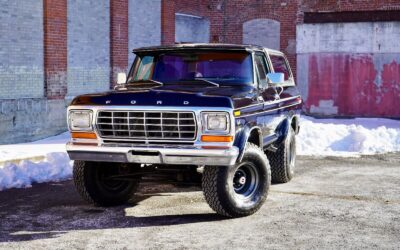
(167, 22)
(51, 50)
(347, 5)
(118, 38)
(88, 46)
(55, 48)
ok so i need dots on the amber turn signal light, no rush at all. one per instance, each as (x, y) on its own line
(216, 138)
(83, 135)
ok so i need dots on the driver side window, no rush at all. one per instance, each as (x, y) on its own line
(262, 70)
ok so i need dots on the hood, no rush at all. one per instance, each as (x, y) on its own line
(169, 95)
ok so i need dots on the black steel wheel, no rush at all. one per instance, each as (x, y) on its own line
(245, 180)
(95, 184)
(238, 190)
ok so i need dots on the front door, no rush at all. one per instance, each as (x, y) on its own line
(270, 117)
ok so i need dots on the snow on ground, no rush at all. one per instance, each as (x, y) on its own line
(348, 137)
(338, 137)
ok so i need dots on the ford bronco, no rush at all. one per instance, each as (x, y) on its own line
(217, 115)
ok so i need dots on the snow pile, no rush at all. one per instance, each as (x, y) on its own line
(348, 137)
(338, 137)
(56, 167)
(53, 165)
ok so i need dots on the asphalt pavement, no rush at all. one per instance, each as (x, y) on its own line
(331, 203)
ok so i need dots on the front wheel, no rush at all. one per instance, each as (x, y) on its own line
(238, 190)
(94, 183)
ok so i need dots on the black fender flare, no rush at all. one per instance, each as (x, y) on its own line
(282, 130)
(242, 136)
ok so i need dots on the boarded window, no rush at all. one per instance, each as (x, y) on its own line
(263, 32)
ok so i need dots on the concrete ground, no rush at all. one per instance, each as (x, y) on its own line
(331, 203)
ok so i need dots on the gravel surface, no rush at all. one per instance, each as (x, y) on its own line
(331, 203)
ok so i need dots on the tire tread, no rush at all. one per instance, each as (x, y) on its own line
(278, 162)
(213, 194)
(79, 181)
(83, 180)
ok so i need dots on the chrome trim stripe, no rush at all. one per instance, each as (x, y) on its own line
(269, 102)
(266, 111)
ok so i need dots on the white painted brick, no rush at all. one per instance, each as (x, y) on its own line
(263, 32)
(367, 37)
(191, 29)
(144, 27)
(88, 46)
(21, 49)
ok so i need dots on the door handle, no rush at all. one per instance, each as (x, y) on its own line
(260, 98)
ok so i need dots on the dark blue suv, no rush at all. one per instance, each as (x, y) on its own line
(219, 115)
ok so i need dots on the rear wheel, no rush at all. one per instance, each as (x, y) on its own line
(238, 190)
(283, 161)
(93, 182)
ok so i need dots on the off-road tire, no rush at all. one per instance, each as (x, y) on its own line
(218, 185)
(282, 161)
(90, 185)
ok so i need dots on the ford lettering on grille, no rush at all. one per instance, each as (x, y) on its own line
(147, 125)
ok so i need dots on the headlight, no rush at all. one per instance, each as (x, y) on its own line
(80, 120)
(215, 122)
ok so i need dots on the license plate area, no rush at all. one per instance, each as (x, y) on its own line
(150, 157)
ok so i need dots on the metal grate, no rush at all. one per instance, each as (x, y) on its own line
(147, 125)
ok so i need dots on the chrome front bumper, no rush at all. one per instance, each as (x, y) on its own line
(148, 154)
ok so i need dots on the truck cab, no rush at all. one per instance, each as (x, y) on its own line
(217, 115)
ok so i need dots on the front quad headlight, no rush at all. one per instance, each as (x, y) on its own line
(215, 122)
(80, 120)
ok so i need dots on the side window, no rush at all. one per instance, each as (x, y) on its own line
(145, 68)
(262, 69)
(280, 66)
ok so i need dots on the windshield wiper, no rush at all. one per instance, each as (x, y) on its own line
(132, 82)
(201, 79)
(208, 81)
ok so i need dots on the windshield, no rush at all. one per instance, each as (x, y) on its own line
(192, 66)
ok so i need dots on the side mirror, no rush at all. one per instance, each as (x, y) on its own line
(121, 78)
(275, 78)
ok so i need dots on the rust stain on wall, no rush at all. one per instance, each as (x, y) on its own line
(357, 84)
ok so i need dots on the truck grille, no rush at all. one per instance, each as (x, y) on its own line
(147, 125)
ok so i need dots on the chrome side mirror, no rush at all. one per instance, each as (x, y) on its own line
(121, 78)
(275, 78)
